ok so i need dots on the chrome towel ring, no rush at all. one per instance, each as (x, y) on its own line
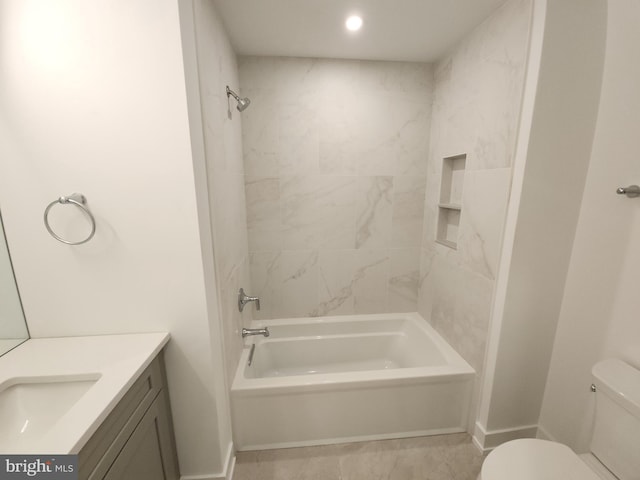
(79, 201)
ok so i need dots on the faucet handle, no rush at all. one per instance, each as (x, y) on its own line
(630, 191)
(243, 299)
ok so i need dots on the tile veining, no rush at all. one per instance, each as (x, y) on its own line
(374, 211)
(476, 107)
(335, 163)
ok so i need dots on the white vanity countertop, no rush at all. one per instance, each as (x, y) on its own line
(7, 344)
(115, 360)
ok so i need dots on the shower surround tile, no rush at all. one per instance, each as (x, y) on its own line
(225, 177)
(472, 313)
(266, 282)
(404, 279)
(378, 139)
(317, 212)
(425, 281)
(371, 280)
(484, 205)
(335, 283)
(295, 283)
(338, 127)
(298, 145)
(460, 305)
(411, 118)
(394, 77)
(260, 135)
(503, 33)
(408, 211)
(336, 149)
(264, 223)
(299, 283)
(498, 111)
(374, 211)
(335, 162)
(287, 282)
(476, 107)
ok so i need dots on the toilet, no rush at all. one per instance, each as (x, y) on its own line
(615, 443)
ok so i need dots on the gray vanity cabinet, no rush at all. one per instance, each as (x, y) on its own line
(142, 456)
(136, 441)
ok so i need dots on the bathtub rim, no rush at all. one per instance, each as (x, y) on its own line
(455, 370)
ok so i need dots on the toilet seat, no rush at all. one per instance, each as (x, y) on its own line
(533, 459)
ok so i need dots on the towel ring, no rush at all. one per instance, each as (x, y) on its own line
(79, 201)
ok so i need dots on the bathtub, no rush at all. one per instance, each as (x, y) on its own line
(317, 381)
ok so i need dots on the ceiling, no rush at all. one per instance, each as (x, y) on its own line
(408, 30)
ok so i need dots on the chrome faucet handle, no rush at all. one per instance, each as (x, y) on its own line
(243, 299)
(630, 191)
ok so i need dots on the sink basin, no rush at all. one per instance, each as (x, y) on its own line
(30, 407)
(56, 392)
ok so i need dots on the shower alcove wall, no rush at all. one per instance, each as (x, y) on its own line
(335, 158)
(343, 164)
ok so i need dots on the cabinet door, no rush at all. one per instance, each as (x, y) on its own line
(103, 447)
(148, 454)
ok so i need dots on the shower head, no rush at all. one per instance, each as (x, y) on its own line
(243, 103)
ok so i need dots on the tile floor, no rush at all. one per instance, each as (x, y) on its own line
(443, 457)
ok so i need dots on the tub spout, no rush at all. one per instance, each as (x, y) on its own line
(246, 332)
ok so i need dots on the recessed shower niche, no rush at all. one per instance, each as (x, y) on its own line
(450, 204)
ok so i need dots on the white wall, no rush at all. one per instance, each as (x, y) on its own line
(561, 95)
(599, 316)
(92, 99)
(335, 155)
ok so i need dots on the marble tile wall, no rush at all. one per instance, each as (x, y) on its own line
(335, 161)
(225, 175)
(477, 96)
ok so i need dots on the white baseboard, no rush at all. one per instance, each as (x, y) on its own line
(477, 444)
(486, 441)
(231, 467)
(226, 474)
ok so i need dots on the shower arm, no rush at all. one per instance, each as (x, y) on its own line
(233, 94)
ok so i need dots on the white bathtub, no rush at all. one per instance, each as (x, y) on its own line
(335, 379)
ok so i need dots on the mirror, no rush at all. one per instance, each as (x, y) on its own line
(13, 326)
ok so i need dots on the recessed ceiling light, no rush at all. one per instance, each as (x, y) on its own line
(354, 23)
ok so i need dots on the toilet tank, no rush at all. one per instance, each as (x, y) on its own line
(616, 434)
